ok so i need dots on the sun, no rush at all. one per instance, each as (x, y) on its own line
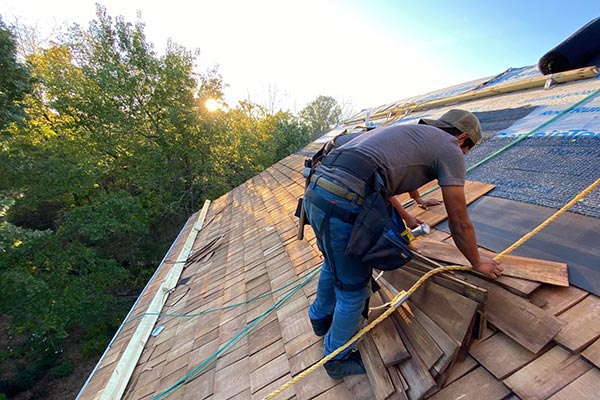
(212, 105)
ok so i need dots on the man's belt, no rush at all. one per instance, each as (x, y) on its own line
(337, 190)
(353, 163)
(331, 208)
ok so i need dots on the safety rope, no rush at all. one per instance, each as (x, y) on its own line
(404, 295)
(227, 307)
(399, 299)
(194, 373)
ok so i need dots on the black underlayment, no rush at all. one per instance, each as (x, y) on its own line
(571, 238)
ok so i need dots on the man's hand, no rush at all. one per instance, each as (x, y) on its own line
(489, 268)
(412, 222)
(425, 204)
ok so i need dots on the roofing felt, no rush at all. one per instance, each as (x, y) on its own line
(573, 237)
(246, 256)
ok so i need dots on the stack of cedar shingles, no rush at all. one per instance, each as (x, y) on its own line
(463, 336)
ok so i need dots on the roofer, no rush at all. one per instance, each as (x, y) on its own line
(346, 204)
(338, 141)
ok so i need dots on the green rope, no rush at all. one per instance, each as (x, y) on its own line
(227, 307)
(233, 341)
(517, 140)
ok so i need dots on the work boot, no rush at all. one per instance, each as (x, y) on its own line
(321, 326)
(351, 364)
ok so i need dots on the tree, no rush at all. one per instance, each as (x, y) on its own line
(322, 114)
(14, 80)
(114, 151)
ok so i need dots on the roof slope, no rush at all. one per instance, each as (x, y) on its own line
(236, 324)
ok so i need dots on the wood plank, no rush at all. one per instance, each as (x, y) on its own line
(419, 380)
(556, 299)
(232, 380)
(586, 387)
(592, 353)
(478, 384)
(446, 279)
(533, 269)
(399, 384)
(460, 369)
(449, 310)
(501, 355)
(550, 272)
(380, 380)
(306, 358)
(437, 214)
(524, 322)
(339, 391)
(287, 394)
(269, 372)
(413, 371)
(317, 383)
(359, 387)
(522, 287)
(386, 337)
(420, 339)
(582, 324)
(518, 286)
(448, 345)
(547, 375)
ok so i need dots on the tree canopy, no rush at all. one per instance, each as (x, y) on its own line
(322, 114)
(106, 148)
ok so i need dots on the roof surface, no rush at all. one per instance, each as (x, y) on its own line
(236, 326)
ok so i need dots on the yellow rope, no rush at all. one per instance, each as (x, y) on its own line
(404, 295)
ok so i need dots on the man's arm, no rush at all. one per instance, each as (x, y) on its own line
(411, 221)
(463, 232)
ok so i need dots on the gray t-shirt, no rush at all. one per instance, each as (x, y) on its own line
(408, 156)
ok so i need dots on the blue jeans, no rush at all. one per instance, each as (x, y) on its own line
(339, 273)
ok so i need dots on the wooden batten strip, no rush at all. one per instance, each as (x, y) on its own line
(119, 379)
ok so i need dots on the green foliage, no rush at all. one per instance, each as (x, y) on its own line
(322, 114)
(62, 370)
(116, 151)
(14, 79)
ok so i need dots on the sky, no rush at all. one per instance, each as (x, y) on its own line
(362, 53)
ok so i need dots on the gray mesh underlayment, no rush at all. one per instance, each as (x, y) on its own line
(545, 171)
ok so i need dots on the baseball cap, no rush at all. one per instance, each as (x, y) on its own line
(462, 120)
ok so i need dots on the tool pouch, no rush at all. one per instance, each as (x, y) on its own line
(372, 239)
